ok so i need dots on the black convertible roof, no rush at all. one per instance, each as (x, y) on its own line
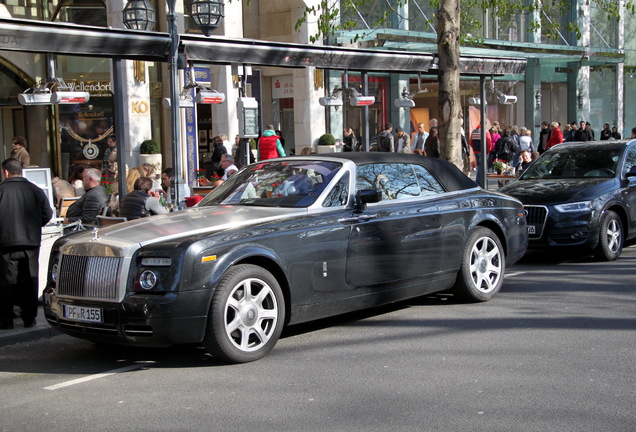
(447, 173)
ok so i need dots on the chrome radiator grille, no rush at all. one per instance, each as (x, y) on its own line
(89, 277)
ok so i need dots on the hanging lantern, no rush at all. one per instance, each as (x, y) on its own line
(140, 15)
(207, 14)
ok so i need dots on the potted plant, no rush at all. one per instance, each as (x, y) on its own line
(326, 144)
(149, 153)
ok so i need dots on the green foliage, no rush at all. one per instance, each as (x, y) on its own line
(332, 16)
(326, 139)
(149, 146)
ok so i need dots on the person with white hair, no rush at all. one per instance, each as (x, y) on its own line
(92, 202)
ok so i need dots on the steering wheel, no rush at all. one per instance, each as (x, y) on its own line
(600, 172)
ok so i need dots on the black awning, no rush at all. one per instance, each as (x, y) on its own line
(71, 39)
(491, 66)
(264, 53)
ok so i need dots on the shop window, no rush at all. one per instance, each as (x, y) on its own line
(87, 12)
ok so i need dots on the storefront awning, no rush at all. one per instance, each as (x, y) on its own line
(80, 40)
(71, 39)
(264, 53)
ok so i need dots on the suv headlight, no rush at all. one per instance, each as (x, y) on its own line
(582, 206)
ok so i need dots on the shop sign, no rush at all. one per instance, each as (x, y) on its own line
(8, 39)
(139, 107)
(282, 87)
(95, 88)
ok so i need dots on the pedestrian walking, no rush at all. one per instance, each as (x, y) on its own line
(24, 210)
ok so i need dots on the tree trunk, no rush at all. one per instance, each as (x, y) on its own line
(448, 16)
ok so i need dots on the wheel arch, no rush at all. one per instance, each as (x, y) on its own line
(497, 229)
(260, 257)
(622, 214)
(277, 271)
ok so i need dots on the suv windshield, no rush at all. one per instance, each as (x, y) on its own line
(296, 183)
(575, 162)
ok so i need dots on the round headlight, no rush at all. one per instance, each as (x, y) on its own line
(54, 269)
(148, 279)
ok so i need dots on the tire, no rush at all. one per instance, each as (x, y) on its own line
(611, 237)
(243, 328)
(483, 267)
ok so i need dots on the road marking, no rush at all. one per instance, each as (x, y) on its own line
(94, 377)
(515, 274)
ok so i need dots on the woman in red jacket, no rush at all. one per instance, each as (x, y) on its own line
(556, 136)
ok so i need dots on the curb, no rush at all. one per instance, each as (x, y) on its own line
(21, 335)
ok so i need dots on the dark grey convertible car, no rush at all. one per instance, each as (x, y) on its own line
(282, 242)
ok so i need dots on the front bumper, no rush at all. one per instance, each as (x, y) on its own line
(143, 320)
(549, 228)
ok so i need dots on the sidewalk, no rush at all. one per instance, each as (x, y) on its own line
(19, 334)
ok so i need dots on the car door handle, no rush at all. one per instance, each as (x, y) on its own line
(359, 218)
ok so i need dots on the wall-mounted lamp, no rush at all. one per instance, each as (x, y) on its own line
(502, 98)
(206, 96)
(506, 99)
(333, 101)
(355, 98)
(406, 99)
(53, 92)
(476, 101)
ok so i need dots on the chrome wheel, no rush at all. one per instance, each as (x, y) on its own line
(485, 264)
(246, 315)
(610, 237)
(613, 234)
(483, 267)
(251, 314)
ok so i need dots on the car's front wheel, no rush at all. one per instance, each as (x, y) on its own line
(246, 315)
(610, 241)
(483, 267)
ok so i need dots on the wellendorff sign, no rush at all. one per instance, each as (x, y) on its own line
(95, 88)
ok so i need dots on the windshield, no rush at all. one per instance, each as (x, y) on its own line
(573, 162)
(296, 183)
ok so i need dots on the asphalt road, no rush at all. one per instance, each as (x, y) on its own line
(553, 352)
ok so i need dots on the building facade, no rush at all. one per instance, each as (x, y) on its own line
(569, 78)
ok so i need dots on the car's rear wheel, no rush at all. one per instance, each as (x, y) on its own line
(483, 267)
(246, 315)
(611, 238)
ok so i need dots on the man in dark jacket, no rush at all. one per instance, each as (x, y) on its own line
(92, 202)
(583, 134)
(24, 210)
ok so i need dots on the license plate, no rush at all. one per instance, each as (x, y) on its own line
(532, 229)
(84, 314)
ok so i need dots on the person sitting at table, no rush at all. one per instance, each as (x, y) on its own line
(166, 182)
(227, 163)
(89, 205)
(525, 159)
(141, 202)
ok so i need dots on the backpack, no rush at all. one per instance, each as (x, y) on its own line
(384, 142)
(506, 149)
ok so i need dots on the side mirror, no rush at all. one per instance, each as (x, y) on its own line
(631, 172)
(365, 196)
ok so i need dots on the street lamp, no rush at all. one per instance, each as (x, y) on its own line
(207, 14)
(140, 15)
